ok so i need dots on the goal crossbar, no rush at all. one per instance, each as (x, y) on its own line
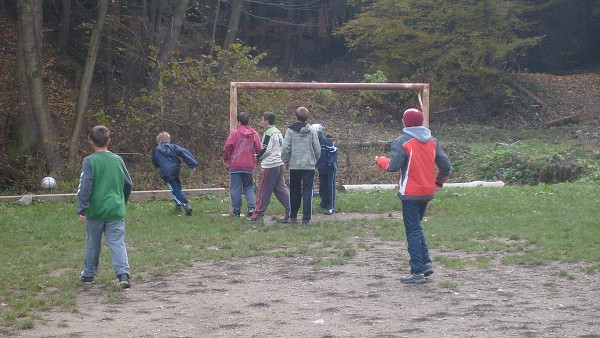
(421, 88)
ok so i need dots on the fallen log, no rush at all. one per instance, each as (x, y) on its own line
(561, 121)
(493, 184)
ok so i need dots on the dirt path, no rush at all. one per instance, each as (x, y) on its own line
(289, 297)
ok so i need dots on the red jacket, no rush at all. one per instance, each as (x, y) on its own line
(421, 161)
(241, 148)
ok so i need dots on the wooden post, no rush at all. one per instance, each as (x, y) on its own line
(232, 106)
(425, 107)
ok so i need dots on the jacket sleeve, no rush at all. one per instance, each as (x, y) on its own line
(84, 190)
(316, 145)
(286, 149)
(187, 157)
(228, 147)
(397, 156)
(257, 143)
(154, 158)
(332, 150)
(443, 163)
(128, 184)
(266, 147)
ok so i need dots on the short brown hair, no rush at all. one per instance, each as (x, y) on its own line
(243, 118)
(163, 137)
(269, 116)
(99, 135)
(302, 114)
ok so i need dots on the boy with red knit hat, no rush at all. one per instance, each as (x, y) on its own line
(416, 154)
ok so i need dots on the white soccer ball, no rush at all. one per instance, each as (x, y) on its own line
(48, 182)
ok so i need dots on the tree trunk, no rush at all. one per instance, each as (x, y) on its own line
(37, 96)
(234, 23)
(115, 14)
(65, 24)
(88, 73)
(169, 40)
(38, 20)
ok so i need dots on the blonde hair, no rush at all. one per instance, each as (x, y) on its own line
(163, 137)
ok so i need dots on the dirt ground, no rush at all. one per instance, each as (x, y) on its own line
(289, 297)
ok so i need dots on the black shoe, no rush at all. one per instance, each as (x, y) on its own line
(293, 221)
(188, 209)
(124, 281)
(250, 212)
(235, 214)
(86, 280)
(329, 211)
(178, 208)
(427, 269)
(305, 221)
(255, 220)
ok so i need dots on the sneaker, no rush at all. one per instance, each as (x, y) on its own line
(250, 212)
(235, 214)
(86, 280)
(427, 269)
(329, 211)
(305, 221)
(188, 209)
(178, 208)
(284, 220)
(255, 220)
(413, 278)
(124, 281)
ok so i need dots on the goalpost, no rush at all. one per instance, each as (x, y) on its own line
(421, 88)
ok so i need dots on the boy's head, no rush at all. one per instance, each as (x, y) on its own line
(163, 137)
(243, 118)
(99, 136)
(317, 127)
(269, 117)
(302, 114)
(412, 118)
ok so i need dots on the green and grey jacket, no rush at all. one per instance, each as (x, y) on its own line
(301, 148)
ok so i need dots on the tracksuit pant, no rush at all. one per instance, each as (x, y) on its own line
(271, 180)
(302, 183)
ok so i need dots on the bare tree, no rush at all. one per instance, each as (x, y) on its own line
(88, 74)
(234, 22)
(65, 23)
(37, 96)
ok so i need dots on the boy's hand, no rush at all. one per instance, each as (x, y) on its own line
(82, 218)
(194, 169)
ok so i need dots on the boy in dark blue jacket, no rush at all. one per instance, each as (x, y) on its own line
(167, 156)
(327, 167)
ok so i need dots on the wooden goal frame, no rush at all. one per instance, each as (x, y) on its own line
(421, 88)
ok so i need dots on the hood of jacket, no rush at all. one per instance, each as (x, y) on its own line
(246, 131)
(300, 127)
(422, 134)
(168, 149)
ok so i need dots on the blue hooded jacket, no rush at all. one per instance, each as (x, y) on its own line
(167, 156)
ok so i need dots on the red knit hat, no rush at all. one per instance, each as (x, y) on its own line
(412, 118)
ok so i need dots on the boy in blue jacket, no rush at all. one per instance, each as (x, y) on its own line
(168, 156)
(327, 167)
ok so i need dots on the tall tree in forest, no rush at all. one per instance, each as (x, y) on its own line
(88, 74)
(65, 23)
(455, 45)
(234, 23)
(168, 35)
(37, 96)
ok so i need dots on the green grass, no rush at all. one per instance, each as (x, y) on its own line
(42, 245)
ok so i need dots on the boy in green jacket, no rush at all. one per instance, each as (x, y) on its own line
(104, 188)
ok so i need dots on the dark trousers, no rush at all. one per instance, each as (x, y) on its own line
(413, 213)
(327, 190)
(302, 183)
(175, 186)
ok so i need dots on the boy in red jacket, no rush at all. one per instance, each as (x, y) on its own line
(416, 154)
(239, 153)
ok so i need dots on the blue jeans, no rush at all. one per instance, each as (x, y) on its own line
(114, 234)
(174, 185)
(327, 190)
(412, 213)
(241, 183)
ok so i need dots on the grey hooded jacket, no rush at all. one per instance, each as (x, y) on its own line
(301, 148)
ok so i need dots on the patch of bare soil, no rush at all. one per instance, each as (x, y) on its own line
(290, 297)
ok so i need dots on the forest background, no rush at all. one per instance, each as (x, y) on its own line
(140, 67)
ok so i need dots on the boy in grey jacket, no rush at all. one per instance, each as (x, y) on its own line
(300, 152)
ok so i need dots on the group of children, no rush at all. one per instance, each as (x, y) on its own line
(105, 184)
(301, 150)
